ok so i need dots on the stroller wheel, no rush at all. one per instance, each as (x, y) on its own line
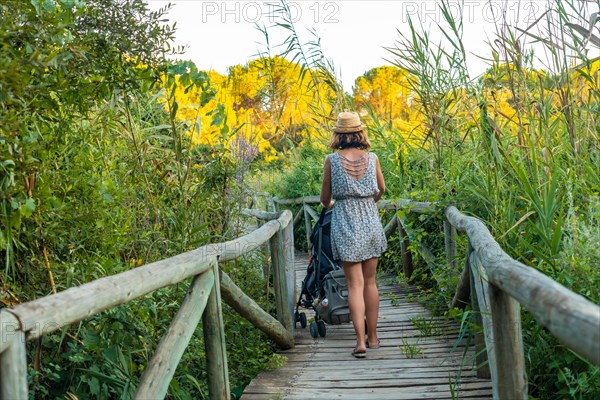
(321, 328)
(302, 319)
(313, 330)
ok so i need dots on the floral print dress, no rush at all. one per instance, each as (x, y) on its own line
(356, 230)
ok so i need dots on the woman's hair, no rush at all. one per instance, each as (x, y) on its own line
(359, 140)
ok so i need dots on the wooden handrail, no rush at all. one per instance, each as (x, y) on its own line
(496, 285)
(41, 316)
(47, 314)
(574, 320)
(494, 281)
(298, 200)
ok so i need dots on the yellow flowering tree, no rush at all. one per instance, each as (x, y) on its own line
(266, 101)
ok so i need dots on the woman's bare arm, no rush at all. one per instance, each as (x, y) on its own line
(380, 181)
(326, 186)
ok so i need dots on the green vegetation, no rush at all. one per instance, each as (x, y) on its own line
(427, 328)
(517, 147)
(98, 177)
(411, 350)
(99, 173)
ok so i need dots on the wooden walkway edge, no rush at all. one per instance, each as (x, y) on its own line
(323, 368)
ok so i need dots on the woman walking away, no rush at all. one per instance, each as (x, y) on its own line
(353, 178)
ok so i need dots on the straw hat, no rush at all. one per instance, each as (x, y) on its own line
(348, 122)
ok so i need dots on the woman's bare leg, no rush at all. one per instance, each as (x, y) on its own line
(371, 296)
(356, 300)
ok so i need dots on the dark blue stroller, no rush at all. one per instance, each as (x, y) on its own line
(324, 289)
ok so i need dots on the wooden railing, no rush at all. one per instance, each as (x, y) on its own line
(310, 215)
(495, 285)
(493, 281)
(209, 286)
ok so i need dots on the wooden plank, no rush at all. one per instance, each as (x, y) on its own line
(324, 367)
(214, 344)
(572, 319)
(379, 382)
(161, 368)
(392, 352)
(312, 374)
(397, 393)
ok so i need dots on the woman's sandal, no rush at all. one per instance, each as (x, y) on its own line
(375, 346)
(359, 353)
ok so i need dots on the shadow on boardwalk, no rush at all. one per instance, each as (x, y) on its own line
(324, 369)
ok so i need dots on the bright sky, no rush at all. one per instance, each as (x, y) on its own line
(353, 33)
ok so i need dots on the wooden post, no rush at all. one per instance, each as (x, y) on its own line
(390, 226)
(298, 217)
(407, 264)
(290, 269)
(481, 360)
(307, 226)
(214, 343)
(463, 289)
(510, 362)
(481, 280)
(314, 215)
(13, 362)
(450, 244)
(161, 368)
(278, 259)
(271, 204)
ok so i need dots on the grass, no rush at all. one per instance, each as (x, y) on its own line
(411, 350)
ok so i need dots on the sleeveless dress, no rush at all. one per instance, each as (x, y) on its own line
(356, 230)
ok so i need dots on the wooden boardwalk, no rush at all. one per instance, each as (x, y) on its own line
(323, 368)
